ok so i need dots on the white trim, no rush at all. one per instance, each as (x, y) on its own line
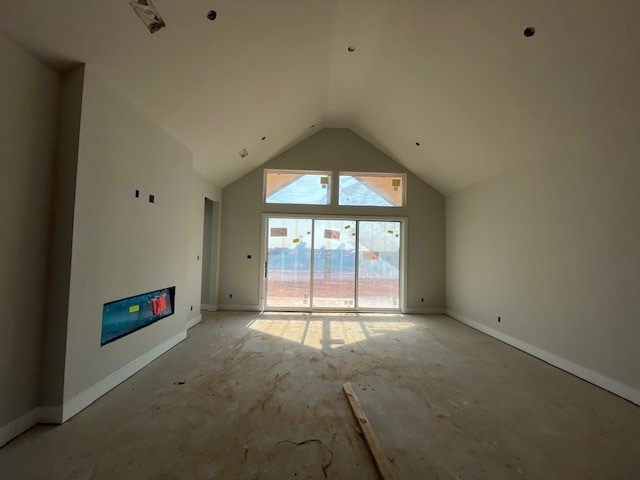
(18, 426)
(240, 308)
(194, 321)
(404, 235)
(91, 394)
(424, 311)
(375, 174)
(625, 391)
(209, 308)
(325, 173)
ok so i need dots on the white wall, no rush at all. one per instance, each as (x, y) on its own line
(123, 246)
(335, 150)
(201, 188)
(553, 250)
(28, 106)
(60, 245)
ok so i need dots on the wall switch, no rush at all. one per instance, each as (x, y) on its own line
(137, 193)
(152, 199)
(249, 257)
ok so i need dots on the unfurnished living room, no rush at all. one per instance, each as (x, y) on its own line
(320, 239)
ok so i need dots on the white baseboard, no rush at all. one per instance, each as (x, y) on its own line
(194, 321)
(18, 426)
(209, 308)
(60, 414)
(240, 308)
(625, 391)
(90, 395)
(424, 311)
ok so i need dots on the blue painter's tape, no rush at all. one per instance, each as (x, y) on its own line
(125, 316)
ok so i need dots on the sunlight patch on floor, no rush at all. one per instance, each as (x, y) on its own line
(325, 333)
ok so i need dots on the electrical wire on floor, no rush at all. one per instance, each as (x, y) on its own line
(312, 440)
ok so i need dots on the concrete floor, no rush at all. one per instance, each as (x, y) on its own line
(446, 401)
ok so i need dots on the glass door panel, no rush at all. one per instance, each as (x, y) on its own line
(334, 264)
(288, 269)
(378, 264)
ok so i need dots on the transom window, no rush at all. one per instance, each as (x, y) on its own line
(372, 189)
(302, 187)
(312, 187)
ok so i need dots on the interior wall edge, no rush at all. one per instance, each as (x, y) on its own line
(193, 321)
(607, 383)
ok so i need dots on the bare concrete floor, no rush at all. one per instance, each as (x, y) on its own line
(446, 401)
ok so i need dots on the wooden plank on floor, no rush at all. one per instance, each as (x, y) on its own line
(371, 439)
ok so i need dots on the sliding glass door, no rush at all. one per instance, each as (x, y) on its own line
(288, 266)
(332, 263)
(379, 264)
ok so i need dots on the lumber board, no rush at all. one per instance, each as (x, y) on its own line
(371, 439)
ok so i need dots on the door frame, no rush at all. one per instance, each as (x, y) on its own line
(403, 261)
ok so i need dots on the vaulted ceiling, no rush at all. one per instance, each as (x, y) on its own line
(456, 76)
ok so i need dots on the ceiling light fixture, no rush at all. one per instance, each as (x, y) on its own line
(529, 31)
(417, 144)
(244, 153)
(148, 14)
(263, 138)
(351, 48)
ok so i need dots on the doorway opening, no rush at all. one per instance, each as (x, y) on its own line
(333, 263)
(210, 241)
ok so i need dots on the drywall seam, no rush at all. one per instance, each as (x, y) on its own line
(424, 311)
(209, 308)
(591, 376)
(194, 321)
(18, 426)
(240, 308)
(91, 394)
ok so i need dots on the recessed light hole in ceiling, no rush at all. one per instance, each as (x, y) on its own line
(351, 48)
(529, 31)
(313, 125)
(212, 15)
(244, 153)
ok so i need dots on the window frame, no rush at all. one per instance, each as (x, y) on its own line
(403, 176)
(326, 173)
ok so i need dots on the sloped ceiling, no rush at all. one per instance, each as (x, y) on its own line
(458, 77)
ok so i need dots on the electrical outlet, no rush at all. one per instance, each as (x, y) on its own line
(498, 319)
(192, 308)
(231, 295)
(422, 300)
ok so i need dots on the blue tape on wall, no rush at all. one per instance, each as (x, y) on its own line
(125, 316)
